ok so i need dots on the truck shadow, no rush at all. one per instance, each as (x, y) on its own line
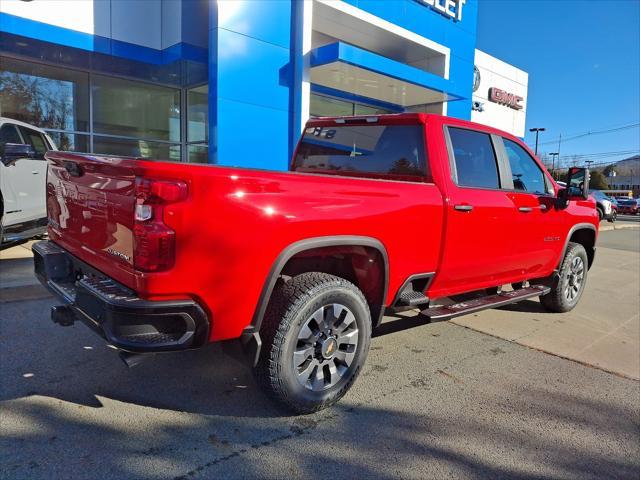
(74, 365)
(200, 413)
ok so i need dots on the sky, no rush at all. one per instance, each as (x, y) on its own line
(583, 60)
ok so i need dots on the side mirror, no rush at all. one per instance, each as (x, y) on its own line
(577, 183)
(11, 152)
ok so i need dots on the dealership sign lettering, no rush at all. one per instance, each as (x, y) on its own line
(448, 8)
(501, 97)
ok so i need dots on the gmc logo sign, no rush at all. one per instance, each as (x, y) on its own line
(504, 98)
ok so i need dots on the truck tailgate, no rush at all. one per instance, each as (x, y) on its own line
(90, 207)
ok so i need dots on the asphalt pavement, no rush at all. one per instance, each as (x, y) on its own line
(434, 401)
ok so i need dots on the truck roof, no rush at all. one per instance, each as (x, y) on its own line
(406, 118)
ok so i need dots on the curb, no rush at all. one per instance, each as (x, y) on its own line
(23, 292)
(618, 226)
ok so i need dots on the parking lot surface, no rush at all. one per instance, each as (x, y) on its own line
(435, 401)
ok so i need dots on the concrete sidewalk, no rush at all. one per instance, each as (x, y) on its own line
(604, 329)
(17, 281)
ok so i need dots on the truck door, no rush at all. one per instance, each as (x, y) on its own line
(15, 208)
(480, 238)
(31, 175)
(538, 223)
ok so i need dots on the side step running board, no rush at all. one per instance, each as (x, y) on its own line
(447, 312)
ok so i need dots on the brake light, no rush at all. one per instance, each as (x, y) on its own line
(154, 243)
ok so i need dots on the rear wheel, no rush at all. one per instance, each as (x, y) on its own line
(316, 336)
(573, 278)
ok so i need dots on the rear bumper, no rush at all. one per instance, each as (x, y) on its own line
(115, 312)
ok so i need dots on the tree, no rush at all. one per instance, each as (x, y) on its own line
(609, 170)
(598, 181)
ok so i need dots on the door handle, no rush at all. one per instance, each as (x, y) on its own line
(542, 208)
(463, 208)
(35, 172)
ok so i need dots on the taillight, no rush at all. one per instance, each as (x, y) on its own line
(154, 245)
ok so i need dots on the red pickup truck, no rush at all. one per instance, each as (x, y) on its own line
(377, 214)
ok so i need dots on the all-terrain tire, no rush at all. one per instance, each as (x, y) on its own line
(293, 305)
(566, 293)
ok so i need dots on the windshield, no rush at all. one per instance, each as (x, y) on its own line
(393, 152)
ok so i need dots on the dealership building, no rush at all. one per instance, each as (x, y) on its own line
(233, 81)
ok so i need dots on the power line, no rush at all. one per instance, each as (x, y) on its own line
(593, 132)
(600, 154)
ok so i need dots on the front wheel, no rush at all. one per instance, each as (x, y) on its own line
(316, 336)
(565, 295)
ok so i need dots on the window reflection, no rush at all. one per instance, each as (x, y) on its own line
(129, 118)
(136, 148)
(70, 142)
(321, 106)
(134, 109)
(44, 96)
(198, 114)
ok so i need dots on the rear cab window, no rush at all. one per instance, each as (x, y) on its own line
(392, 152)
(474, 159)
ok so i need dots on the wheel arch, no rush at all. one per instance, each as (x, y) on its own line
(584, 234)
(323, 247)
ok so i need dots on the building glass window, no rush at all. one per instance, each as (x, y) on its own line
(134, 109)
(321, 106)
(70, 142)
(197, 149)
(136, 148)
(198, 153)
(198, 114)
(127, 117)
(44, 96)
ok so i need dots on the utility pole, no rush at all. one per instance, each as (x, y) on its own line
(559, 142)
(537, 130)
(553, 163)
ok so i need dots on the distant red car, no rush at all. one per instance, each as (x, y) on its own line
(628, 206)
(378, 214)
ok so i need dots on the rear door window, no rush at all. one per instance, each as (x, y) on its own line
(378, 151)
(474, 158)
(36, 140)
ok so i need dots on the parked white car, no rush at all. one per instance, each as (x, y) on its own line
(23, 176)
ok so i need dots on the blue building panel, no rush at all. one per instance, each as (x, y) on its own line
(254, 68)
(266, 20)
(251, 136)
(252, 71)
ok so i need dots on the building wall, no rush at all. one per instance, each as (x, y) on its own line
(257, 56)
(495, 73)
(142, 30)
